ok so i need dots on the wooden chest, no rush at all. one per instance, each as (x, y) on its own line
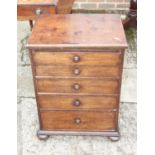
(77, 63)
(31, 9)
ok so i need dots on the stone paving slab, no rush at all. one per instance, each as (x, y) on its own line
(129, 86)
(75, 145)
(19, 126)
(23, 31)
(130, 59)
(25, 86)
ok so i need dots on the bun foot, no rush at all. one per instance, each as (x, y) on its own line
(42, 136)
(114, 139)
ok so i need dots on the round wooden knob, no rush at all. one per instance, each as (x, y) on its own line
(38, 12)
(76, 71)
(77, 120)
(76, 86)
(76, 103)
(76, 59)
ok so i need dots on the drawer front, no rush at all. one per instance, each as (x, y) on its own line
(78, 71)
(73, 102)
(80, 58)
(78, 86)
(32, 11)
(78, 121)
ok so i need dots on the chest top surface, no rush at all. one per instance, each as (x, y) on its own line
(78, 30)
(36, 2)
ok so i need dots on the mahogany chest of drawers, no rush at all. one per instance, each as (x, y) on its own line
(77, 63)
(31, 9)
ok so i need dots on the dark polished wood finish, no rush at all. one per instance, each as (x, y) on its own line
(131, 20)
(89, 86)
(32, 12)
(64, 6)
(77, 102)
(67, 58)
(31, 24)
(80, 71)
(77, 72)
(106, 31)
(32, 9)
(78, 120)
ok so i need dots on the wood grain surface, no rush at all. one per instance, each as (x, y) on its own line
(27, 12)
(100, 86)
(102, 30)
(74, 71)
(26, 9)
(64, 6)
(69, 102)
(89, 121)
(85, 58)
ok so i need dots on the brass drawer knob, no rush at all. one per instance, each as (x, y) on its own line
(77, 120)
(76, 103)
(76, 86)
(76, 59)
(76, 71)
(38, 12)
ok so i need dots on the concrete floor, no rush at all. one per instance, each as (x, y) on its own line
(28, 144)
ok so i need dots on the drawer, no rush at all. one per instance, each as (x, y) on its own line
(78, 121)
(71, 102)
(101, 86)
(27, 12)
(80, 58)
(77, 71)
